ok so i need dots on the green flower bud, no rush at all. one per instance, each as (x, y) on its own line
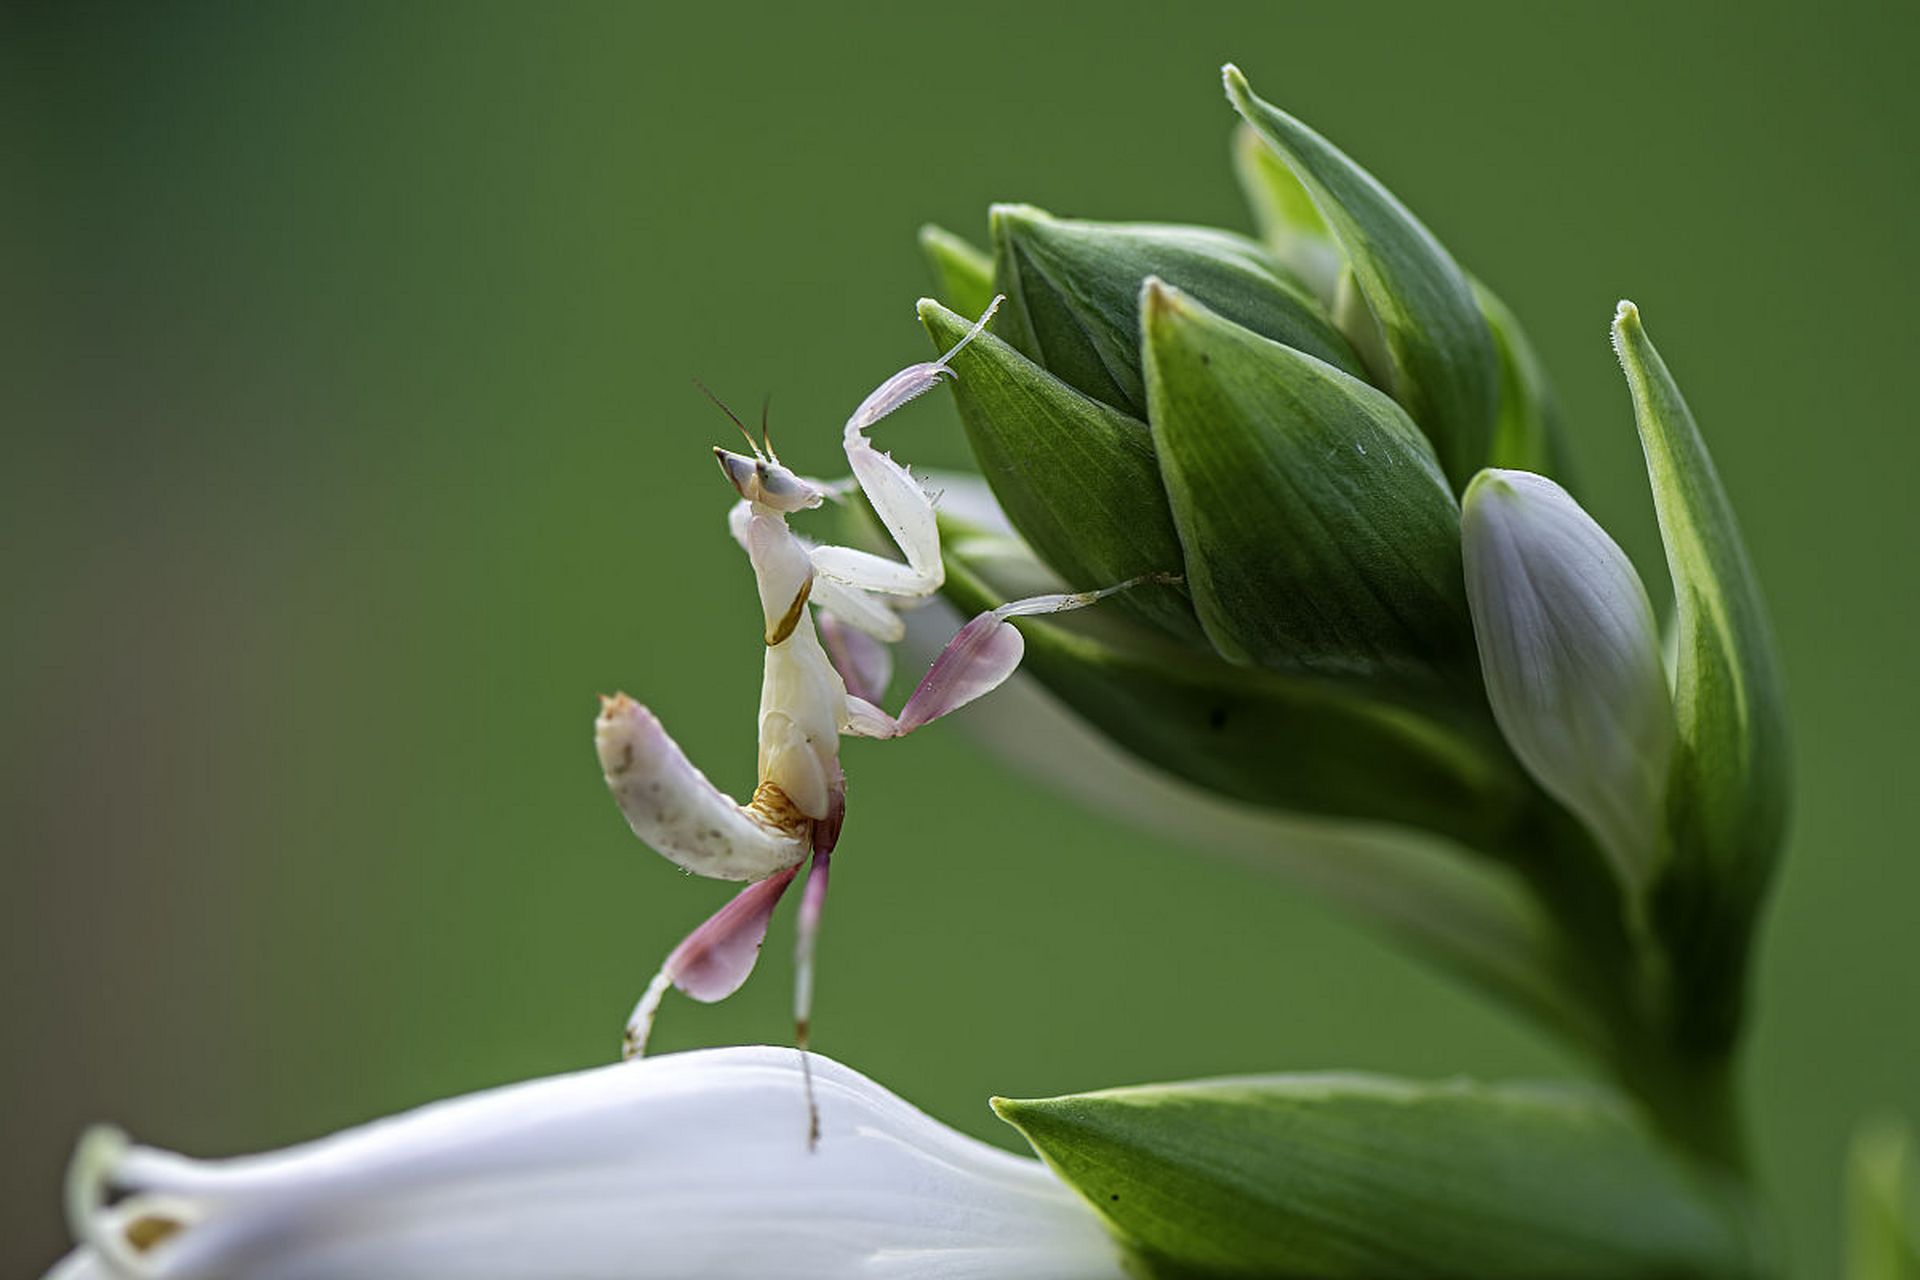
(1442, 365)
(1292, 228)
(1103, 499)
(1077, 479)
(1284, 424)
(1320, 532)
(1073, 291)
(1571, 658)
(1363, 1176)
(1299, 743)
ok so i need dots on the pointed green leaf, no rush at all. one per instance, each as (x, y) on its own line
(962, 273)
(1444, 368)
(1527, 432)
(1732, 719)
(1073, 295)
(1283, 211)
(1335, 1176)
(1883, 1203)
(1320, 533)
(1727, 800)
(1076, 478)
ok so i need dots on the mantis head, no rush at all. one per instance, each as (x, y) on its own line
(766, 482)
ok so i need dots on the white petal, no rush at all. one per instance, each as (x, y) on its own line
(1571, 658)
(684, 1165)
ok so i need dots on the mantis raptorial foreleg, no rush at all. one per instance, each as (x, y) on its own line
(897, 498)
(865, 664)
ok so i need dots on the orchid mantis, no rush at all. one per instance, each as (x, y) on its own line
(808, 699)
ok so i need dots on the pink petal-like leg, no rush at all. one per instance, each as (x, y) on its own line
(978, 660)
(863, 662)
(714, 959)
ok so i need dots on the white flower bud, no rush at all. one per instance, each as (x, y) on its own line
(1571, 657)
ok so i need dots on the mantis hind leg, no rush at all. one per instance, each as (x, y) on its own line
(806, 937)
(714, 960)
(813, 901)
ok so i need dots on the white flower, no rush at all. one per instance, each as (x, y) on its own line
(681, 1166)
(1571, 658)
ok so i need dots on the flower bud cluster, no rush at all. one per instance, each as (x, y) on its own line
(1341, 453)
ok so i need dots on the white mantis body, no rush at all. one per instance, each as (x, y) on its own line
(807, 701)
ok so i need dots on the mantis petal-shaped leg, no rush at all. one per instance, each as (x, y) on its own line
(714, 959)
(978, 659)
(897, 498)
(862, 661)
(672, 806)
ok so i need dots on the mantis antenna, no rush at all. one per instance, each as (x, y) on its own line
(735, 419)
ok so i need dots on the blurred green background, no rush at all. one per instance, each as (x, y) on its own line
(351, 450)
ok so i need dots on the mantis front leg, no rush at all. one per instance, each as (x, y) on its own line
(897, 498)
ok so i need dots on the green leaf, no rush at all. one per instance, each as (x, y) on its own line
(962, 273)
(1077, 479)
(1336, 1176)
(1527, 432)
(1320, 533)
(1443, 365)
(1883, 1203)
(1073, 295)
(1727, 799)
(1292, 228)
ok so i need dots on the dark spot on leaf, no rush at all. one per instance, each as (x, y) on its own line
(1114, 1197)
(1217, 718)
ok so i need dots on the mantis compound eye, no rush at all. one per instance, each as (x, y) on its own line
(741, 471)
(765, 482)
(784, 490)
